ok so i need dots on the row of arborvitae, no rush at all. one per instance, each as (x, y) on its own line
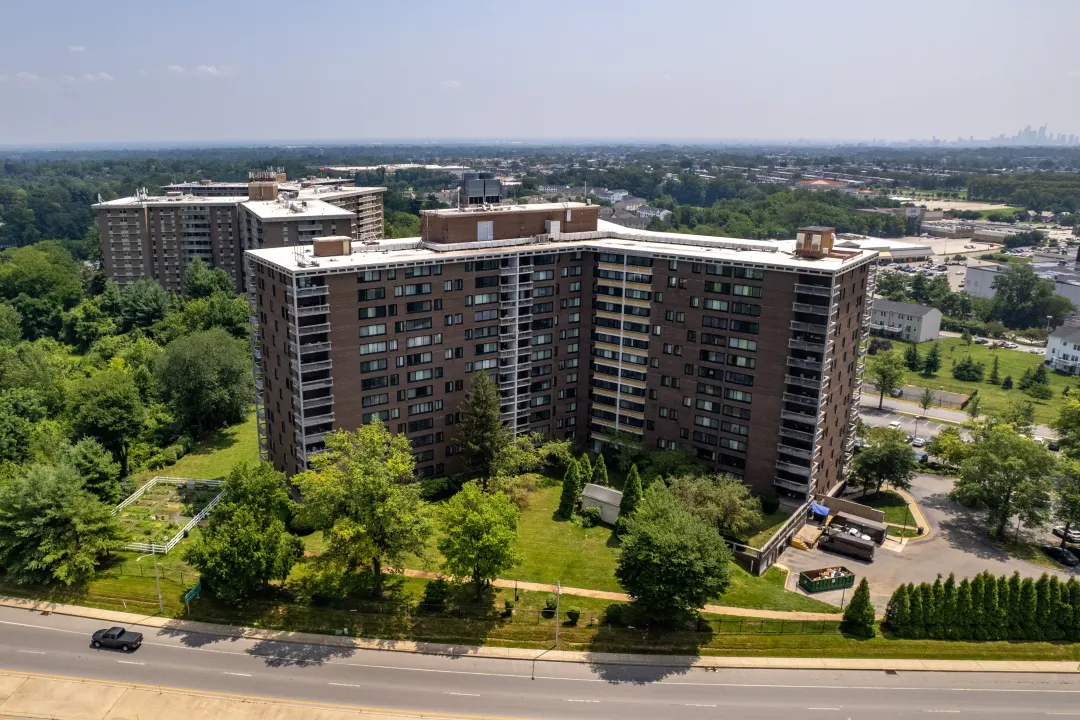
(987, 608)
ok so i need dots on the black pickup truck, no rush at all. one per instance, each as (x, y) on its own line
(117, 637)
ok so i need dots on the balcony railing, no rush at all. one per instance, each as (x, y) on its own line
(318, 384)
(793, 486)
(808, 400)
(818, 347)
(809, 327)
(792, 468)
(797, 434)
(312, 291)
(309, 310)
(797, 452)
(808, 418)
(813, 383)
(313, 329)
(808, 308)
(819, 290)
(804, 364)
(318, 419)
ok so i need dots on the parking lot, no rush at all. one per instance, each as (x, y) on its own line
(882, 418)
(956, 543)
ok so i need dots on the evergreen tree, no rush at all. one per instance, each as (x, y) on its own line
(932, 362)
(631, 496)
(962, 626)
(571, 490)
(937, 624)
(599, 472)
(1015, 617)
(995, 377)
(1026, 380)
(1058, 617)
(912, 358)
(991, 621)
(1007, 383)
(1039, 376)
(917, 623)
(585, 470)
(976, 620)
(1043, 620)
(859, 614)
(482, 433)
(948, 614)
(926, 591)
(1004, 599)
(1073, 588)
(898, 611)
(1028, 602)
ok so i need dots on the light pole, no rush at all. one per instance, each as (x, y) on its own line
(157, 580)
(558, 599)
(1048, 319)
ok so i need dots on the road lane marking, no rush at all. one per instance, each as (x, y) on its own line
(345, 685)
(697, 705)
(130, 662)
(32, 652)
(941, 711)
(237, 674)
(822, 708)
(588, 701)
(463, 694)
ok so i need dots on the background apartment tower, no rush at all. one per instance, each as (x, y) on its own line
(746, 353)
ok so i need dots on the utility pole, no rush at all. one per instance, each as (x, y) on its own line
(558, 599)
(157, 580)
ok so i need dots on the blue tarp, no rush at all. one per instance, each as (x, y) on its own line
(819, 509)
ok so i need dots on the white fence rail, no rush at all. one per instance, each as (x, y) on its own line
(175, 539)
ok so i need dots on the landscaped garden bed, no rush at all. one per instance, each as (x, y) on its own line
(157, 515)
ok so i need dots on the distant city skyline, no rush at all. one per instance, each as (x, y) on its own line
(269, 72)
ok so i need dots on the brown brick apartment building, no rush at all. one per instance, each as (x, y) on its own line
(146, 236)
(746, 353)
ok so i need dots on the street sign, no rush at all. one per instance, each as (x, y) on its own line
(193, 592)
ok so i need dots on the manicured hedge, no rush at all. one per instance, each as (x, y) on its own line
(987, 608)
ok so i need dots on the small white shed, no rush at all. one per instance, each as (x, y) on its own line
(605, 498)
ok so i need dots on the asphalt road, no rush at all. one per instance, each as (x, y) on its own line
(59, 645)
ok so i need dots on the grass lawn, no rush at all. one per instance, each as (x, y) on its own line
(1025, 549)
(772, 523)
(215, 456)
(767, 592)
(894, 531)
(1010, 362)
(892, 504)
(1002, 257)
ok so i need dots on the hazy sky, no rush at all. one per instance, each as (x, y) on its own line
(202, 70)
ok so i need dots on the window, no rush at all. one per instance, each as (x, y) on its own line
(742, 361)
(571, 302)
(481, 265)
(739, 378)
(737, 395)
(717, 287)
(544, 339)
(714, 322)
(575, 286)
(706, 421)
(423, 271)
(456, 319)
(745, 326)
(486, 281)
(485, 315)
(712, 339)
(374, 383)
(742, 344)
(730, 444)
(425, 407)
(545, 291)
(543, 307)
(420, 391)
(737, 412)
(572, 271)
(366, 276)
(370, 294)
(721, 305)
(749, 273)
(375, 347)
(734, 428)
(573, 317)
(449, 285)
(373, 365)
(635, 294)
(416, 375)
(373, 400)
(383, 415)
(417, 289)
(485, 230)
(374, 311)
(745, 308)
(486, 348)
(541, 355)
(487, 331)
(489, 364)
(419, 341)
(418, 359)
(485, 298)
(746, 290)
(370, 330)
(418, 306)
(541, 275)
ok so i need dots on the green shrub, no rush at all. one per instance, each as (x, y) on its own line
(613, 615)
(436, 593)
(573, 615)
(770, 503)
(590, 517)
(433, 489)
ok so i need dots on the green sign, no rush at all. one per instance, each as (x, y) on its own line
(193, 592)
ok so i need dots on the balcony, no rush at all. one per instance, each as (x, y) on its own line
(819, 290)
(793, 486)
(314, 347)
(313, 329)
(797, 452)
(306, 405)
(314, 366)
(807, 400)
(804, 364)
(809, 327)
(318, 419)
(822, 310)
(312, 291)
(309, 310)
(789, 467)
(808, 418)
(812, 383)
(797, 434)
(818, 347)
(317, 384)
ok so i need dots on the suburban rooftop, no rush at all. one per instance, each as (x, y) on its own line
(288, 209)
(151, 200)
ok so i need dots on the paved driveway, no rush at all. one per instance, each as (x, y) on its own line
(957, 544)
(927, 427)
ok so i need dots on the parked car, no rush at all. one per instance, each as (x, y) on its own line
(894, 425)
(1053, 445)
(1071, 535)
(1010, 346)
(981, 341)
(117, 637)
(1061, 555)
(896, 392)
(918, 442)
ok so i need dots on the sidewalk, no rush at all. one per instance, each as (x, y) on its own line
(452, 651)
(623, 597)
(70, 698)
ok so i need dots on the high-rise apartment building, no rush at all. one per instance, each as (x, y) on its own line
(746, 353)
(154, 237)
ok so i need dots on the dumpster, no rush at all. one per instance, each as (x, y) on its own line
(834, 578)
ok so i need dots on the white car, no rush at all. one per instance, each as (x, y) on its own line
(959, 272)
(894, 425)
(1010, 346)
(918, 442)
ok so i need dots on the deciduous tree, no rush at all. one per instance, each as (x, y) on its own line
(671, 562)
(206, 379)
(106, 406)
(720, 501)
(887, 371)
(887, 458)
(480, 530)
(361, 496)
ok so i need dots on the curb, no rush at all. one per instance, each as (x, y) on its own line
(551, 655)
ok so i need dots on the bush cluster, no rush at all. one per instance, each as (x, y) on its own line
(987, 608)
